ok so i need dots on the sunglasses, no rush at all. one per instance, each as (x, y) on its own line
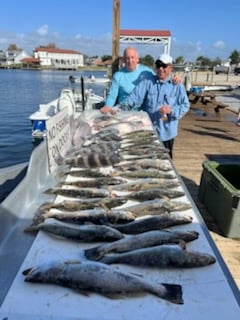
(159, 64)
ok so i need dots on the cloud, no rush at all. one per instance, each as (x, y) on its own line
(43, 30)
(102, 44)
(219, 44)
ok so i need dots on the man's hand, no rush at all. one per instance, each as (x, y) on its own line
(112, 110)
(105, 109)
(164, 110)
(176, 79)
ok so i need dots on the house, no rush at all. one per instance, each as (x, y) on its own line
(13, 57)
(59, 58)
(30, 62)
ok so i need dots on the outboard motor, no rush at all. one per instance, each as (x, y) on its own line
(66, 99)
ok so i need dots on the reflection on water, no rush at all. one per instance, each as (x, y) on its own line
(21, 91)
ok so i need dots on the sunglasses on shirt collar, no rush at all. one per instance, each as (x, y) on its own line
(159, 64)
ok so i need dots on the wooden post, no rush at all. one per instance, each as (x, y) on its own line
(115, 35)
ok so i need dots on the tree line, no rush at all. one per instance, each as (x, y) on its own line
(201, 61)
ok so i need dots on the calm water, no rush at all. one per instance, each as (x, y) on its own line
(21, 91)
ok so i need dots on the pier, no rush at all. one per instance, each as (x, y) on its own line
(205, 134)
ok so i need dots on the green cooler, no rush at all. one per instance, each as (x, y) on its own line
(220, 192)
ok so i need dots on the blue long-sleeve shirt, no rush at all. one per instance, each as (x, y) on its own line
(150, 94)
(124, 81)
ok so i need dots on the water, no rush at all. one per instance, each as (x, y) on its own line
(21, 92)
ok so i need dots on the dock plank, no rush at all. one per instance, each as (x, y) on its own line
(208, 135)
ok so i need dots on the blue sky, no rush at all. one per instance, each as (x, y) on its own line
(207, 28)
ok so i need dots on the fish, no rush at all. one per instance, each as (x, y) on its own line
(83, 233)
(158, 206)
(92, 183)
(162, 256)
(96, 216)
(106, 135)
(142, 240)
(163, 165)
(124, 127)
(147, 183)
(144, 173)
(157, 222)
(98, 147)
(85, 173)
(139, 134)
(83, 204)
(151, 147)
(144, 155)
(95, 277)
(80, 132)
(154, 193)
(142, 141)
(105, 120)
(93, 160)
(74, 192)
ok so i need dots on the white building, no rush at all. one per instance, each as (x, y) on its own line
(59, 58)
(13, 57)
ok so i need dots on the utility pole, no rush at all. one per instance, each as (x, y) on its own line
(115, 35)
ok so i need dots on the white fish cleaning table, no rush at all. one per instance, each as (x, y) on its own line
(208, 292)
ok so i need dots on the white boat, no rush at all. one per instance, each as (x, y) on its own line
(90, 80)
(75, 99)
(200, 89)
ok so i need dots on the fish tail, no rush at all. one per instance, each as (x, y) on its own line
(31, 229)
(49, 191)
(93, 253)
(172, 293)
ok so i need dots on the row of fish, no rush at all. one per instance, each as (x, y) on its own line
(107, 171)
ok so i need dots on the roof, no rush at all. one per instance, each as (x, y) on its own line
(30, 60)
(56, 50)
(145, 33)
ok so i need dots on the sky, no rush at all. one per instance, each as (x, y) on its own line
(208, 28)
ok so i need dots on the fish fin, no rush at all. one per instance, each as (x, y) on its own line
(182, 244)
(121, 295)
(26, 271)
(173, 293)
(74, 261)
(31, 229)
(93, 253)
(49, 191)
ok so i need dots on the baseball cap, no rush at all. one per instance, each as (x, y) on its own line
(165, 58)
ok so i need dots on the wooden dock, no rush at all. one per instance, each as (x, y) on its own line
(207, 134)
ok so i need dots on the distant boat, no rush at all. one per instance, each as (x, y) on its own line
(90, 80)
(199, 89)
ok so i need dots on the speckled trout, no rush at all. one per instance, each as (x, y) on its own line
(154, 193)
(158, 206)
(96, 216)
(163, 256)
(75, 192)
(83, 204)
(89, 276)
(158, 222)
(147, 183)
(142, 240)
(83, 233)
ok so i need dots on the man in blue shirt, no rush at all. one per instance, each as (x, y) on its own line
(164, 101)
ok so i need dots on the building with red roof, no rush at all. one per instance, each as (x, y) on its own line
(162, 37)
(59, 58)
